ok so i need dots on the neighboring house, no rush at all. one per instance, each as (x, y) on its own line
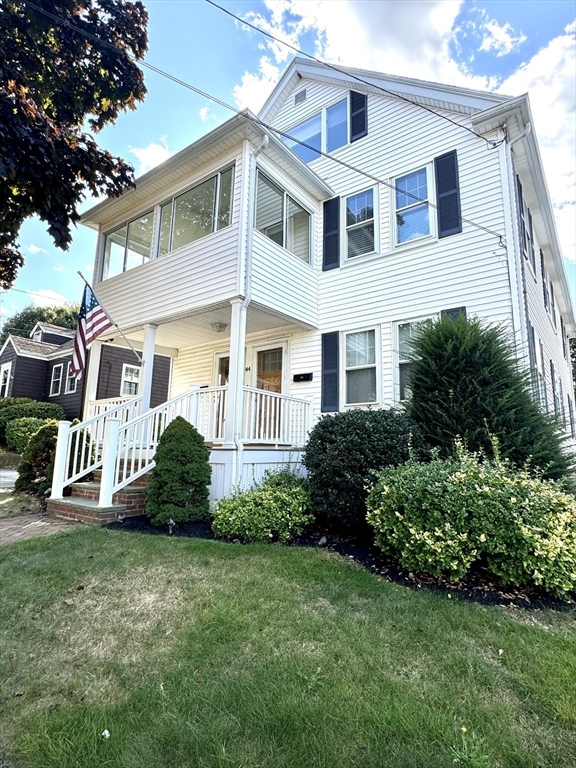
(286, 285)
(39, 367)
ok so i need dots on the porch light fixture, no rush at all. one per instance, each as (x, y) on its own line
(219, 327)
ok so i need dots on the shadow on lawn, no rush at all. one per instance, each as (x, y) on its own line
(480, 586)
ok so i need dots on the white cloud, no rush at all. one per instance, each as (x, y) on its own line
(89, 268)
(46, 298)
(255, 88)
(500, 39)
(35, 249)
(204, 113)
(151, 156)
(59, 269)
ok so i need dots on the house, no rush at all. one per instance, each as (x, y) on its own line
(39, 367)
(283, 263)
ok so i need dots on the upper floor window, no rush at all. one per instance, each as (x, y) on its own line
(412, 211)
(37, 336)
(282, 219)
(204, 209)
(360, 223)
(333, 127)
(361, 367)
(128, 246)
(526, 228)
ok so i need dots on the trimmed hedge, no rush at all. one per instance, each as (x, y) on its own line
(5, 402)
(345, 449)
(32, 409)
(277, 510)
(178, 487)
(19, 432)
(443, 517)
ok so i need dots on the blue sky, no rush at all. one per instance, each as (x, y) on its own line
(511, 47)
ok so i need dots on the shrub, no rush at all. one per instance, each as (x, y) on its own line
(37, 463)
(178, 487)
(33, 409)
(444, 516)
(342, 452)
(466, 382)
(276, 510)
(5, 402)
(19, 431)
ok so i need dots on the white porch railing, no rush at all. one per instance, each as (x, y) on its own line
(132, 404)
(125, 448)
(79, 448)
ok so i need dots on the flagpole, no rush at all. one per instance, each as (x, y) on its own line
(112, 321)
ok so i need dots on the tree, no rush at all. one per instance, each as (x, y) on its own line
(64, 62)
(466, 382)
(22, 322)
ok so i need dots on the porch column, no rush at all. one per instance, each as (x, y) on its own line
(234, 399)
(147, 365)
(91, 374)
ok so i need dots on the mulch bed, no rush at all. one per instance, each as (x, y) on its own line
(479, 586)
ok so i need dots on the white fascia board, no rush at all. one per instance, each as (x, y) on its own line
(411, 88)
(519, 108)
(8, 341)
(33, 331)
(56, 355)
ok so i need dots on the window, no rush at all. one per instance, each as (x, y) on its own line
(333, 127)
(412, 214)
(571, 417)
(282, 219)
(5, 371)
(360, 224)
(128, 246)
(204, 209)
(37, 336)
(130, 380)
(543, 390)
(525, 227)
(361, 367)
(56, 381)
(70, 381)
(406, 332)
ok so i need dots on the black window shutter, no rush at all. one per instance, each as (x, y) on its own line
(330, 395)
(448, 194)
(358, 115)
(521, 223)
(331, 247)
(453, 313)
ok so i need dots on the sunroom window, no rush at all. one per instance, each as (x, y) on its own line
(128, 246)
(282, 219)
(198, 212)
(412, 214)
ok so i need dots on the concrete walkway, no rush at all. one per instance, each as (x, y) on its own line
(30, 526)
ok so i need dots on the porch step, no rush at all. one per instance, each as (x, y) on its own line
(132, 497)
(86, 510)
(141, 482)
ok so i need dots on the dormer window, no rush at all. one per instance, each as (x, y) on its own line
(37, 336)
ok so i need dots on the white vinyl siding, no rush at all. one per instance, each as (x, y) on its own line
(56, 380)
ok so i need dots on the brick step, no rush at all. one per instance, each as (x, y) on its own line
(87, 510)
(141, 481)
(132, 497)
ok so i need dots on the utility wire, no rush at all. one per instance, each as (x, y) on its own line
(256, 120)
(491, 144)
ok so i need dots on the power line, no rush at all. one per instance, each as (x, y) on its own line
(256, 120)
(393, 94)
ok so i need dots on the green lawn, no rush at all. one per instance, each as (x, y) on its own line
(195, 654)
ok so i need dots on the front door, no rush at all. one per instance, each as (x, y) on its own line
(269, 378)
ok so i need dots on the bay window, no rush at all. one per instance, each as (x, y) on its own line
(282, 219)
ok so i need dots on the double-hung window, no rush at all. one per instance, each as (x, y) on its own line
(411, 204)
(130, 380)
(307, 133)
(360, 224)
(56, 381)
(406, 334)
(282, 219)
(5, 371)
(361, 380)
(70, 381)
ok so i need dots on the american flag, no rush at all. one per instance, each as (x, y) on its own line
(92, 321)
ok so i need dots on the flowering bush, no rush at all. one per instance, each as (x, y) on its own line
(442, 517)
(276, 510)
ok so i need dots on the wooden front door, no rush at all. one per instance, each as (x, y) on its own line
(269, 378)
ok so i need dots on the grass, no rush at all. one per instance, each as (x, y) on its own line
(15, 504)
(198, 654)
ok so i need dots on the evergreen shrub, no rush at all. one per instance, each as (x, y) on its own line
(6, 402)
(467, 383)
(444, 516)
(19, 431)
(37, 464)
(343, 451)
(178, 487)
(32, 409)
(278, 509)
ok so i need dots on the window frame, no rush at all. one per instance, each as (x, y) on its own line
(286, 195)
(323, 113)
(430, 202)
(5, 368)
(126, 225)
(60, 367)
(67, 389)
(344, 228)
(123, 379)
(398, 361)
(344, 368)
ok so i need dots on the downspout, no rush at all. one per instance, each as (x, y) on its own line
(237, 469)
